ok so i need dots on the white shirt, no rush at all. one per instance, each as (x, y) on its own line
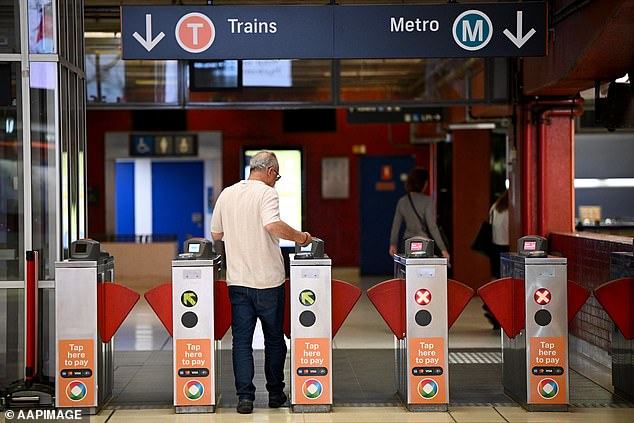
(500, 226)
(254, 258)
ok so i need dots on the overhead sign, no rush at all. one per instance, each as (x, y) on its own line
(334, 32)
(157, 145)
(226, 32)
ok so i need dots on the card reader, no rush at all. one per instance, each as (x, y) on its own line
(85, 249)
(419, 247)
(532, 246)
(197, 249)
(314, 250)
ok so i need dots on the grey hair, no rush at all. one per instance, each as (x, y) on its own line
(263, 160)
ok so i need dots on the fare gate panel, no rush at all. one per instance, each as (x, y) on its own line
(194, 364)
(76, 376)
(535, 358)
(547, 331)
(311, 332)
(424, 361)
(84, 370)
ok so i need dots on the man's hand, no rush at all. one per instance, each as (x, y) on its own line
(446, 255)
(392, 250)
(307, 240)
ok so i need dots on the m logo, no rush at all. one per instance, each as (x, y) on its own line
(472, 30)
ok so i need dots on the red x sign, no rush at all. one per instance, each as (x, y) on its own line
(542, 296)
(422, 297)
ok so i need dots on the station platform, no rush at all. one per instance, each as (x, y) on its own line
(363, 376)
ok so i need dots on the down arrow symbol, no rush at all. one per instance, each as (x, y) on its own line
(148, 42)
(519, 40)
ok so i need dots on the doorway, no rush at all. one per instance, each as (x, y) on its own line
(380, 187)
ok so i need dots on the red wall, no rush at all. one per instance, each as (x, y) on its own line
(336, 221)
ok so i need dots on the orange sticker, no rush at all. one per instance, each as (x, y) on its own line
(426, 361)
(312, 368)
(76, 364)
(193, 369)
(547, 370)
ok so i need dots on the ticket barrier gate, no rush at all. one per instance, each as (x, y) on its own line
(195, 310)
(318, 307)
(617, 298)
(420, 305)
(89, 308)
(534, 304)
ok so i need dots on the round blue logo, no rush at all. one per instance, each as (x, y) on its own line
(472, 30)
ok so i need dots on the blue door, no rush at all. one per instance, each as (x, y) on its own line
(380, 188)
(124, 198)
(178, 199)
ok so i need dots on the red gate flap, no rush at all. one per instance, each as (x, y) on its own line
(222, 309)
(114, 303)
(458, 296)
(388, 298)
(344, 297)
(617, 298)
(505, 299)
(577, 296)
(160, 299)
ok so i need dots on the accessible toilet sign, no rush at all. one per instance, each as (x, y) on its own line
(334, 32)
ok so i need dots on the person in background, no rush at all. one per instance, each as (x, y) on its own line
(416, 210)
(499, 220)
(247, 218)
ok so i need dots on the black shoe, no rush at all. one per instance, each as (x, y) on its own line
(276, 401)
(245, 406)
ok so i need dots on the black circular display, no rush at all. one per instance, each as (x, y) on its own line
(307, 318)
(423, 317)
(189, 319)
(543, 317)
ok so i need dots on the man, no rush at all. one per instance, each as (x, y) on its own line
(247, 218)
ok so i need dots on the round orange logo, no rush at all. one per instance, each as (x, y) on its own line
(195, 32)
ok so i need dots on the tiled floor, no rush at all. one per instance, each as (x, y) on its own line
(364, 344)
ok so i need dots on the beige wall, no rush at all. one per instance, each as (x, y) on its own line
(142, 266)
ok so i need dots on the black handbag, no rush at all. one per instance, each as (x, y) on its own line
(483, 242)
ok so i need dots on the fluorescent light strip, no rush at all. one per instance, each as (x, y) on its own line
(604, 183)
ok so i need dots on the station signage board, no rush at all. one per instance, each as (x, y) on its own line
(334, 32)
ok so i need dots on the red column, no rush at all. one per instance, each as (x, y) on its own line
(547, 160)
(556, 172)
(471, 202)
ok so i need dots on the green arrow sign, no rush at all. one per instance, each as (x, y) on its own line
(307, 297)
(189, 298)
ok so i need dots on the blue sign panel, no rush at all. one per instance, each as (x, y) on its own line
(326, 32)
(226, 32)
(446, 30)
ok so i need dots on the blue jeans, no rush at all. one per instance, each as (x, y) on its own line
(247, 305)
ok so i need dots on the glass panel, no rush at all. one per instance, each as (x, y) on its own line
(111, 80)
(64, 137)
(11, 336)
(43, 147)
(82, 157)
(9, 28)
(262, 81)
(424, 80)
(72, 34)
(11, 170)
(41, 23)
(73, 154)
